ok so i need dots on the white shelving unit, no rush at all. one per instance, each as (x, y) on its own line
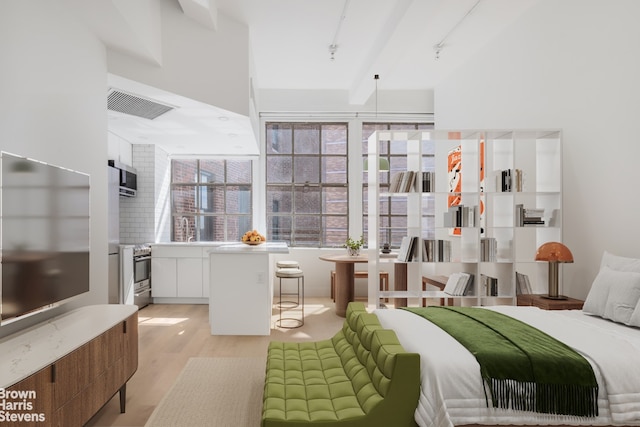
(502, 173)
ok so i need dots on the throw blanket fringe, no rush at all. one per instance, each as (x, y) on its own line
(522, 367)
(545, 398)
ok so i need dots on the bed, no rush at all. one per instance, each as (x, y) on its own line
(605, 332)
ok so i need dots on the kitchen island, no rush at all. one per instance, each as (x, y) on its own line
(241, 287)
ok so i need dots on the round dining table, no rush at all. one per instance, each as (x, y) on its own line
(344, 292)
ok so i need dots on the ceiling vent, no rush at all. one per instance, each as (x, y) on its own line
(136, 106)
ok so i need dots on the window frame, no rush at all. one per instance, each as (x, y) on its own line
(292, 238)
(199, 214)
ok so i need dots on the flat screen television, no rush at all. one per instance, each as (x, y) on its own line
(44, 226)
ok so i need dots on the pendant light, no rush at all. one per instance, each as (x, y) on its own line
(383, 163)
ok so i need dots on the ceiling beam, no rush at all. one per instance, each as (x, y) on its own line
(378, 57)
(204, 12)
(410, 32)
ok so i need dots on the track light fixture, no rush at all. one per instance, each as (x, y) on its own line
(437, 48)
(332, 51)
(333, 47)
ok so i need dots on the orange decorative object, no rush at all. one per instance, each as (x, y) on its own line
(554, 252)
(252, 237)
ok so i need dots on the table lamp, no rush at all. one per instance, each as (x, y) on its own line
(554, 253)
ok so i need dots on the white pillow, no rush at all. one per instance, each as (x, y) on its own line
(619, 263)
(596, 300)
(623, 297)
(635, 317)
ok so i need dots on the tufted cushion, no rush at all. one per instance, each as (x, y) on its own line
(307, 382)
(344, 381)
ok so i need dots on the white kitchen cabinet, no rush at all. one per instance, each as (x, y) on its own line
(189, 277)
(163, 277)
(181, 272)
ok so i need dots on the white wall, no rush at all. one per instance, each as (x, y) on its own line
(574, 65)
(198, 63)
(337, 101)
(53, 109)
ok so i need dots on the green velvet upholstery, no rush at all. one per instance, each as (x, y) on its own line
(362, 377)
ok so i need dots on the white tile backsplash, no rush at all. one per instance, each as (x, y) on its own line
(145, 218)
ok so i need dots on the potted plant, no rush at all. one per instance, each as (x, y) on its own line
(353, 246)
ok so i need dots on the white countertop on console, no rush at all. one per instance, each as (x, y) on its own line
(267, 247)
(26, 352)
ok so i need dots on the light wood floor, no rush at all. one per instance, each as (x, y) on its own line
(169, 334)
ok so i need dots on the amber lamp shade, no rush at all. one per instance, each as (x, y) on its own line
(554, 253)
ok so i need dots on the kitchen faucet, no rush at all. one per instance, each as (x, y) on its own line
(185, 228)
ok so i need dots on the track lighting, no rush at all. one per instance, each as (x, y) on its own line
(332, 51)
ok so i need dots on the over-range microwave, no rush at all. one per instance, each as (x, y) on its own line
(128, 179)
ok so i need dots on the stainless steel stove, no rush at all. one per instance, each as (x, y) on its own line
(142, 275)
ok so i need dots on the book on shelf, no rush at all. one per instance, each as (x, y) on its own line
(509, 180)
(394, 184)
(529, 216)
(403, 252)
(460, 216)
(406, 181)
(436, 250)
(428, 182)
(465, 283)
(408, 249)
(488, 249)
(519, 178)
(489, 285)
(458, 284)
(523, 286)
(403, 182)
(519, 215)
(413, 250)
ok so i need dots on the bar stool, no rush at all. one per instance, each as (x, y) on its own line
(287, 264)
(291, 273)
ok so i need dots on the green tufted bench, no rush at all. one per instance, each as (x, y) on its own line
(362, 377)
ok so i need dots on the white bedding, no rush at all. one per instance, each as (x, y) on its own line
(452, 391)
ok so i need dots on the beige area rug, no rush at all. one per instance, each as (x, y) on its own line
(219, 392)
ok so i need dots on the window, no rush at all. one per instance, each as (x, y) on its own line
(306, 183)
(392, 210)
(210, 199)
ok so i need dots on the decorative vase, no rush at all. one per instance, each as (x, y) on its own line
(353, 251)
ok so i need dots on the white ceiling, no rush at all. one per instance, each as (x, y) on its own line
(289, 44)
(192, 129)
(393, 38)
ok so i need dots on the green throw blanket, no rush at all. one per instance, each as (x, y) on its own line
(523, 368)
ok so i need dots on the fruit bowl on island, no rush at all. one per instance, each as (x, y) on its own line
(253, 238)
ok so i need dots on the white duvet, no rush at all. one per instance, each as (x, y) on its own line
(452, 391)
